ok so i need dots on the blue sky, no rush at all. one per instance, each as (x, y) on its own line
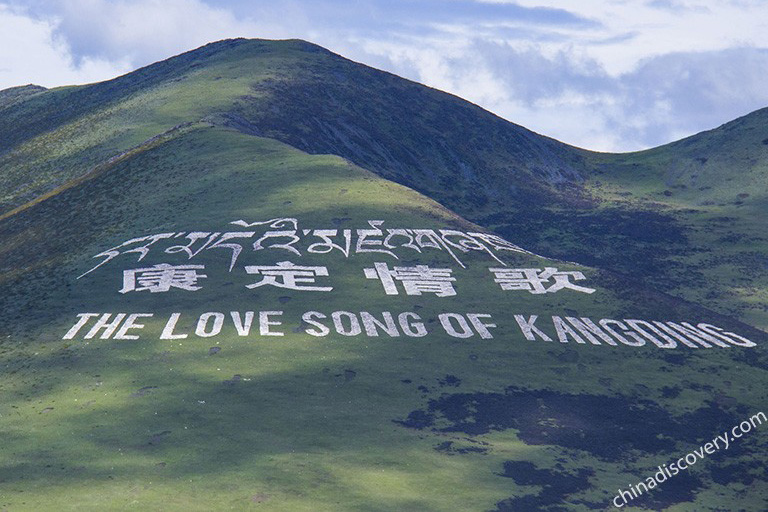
(612, 75)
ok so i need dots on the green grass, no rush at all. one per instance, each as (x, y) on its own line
(151, 424)
(549, 197)
(712, 187)
(316, 423)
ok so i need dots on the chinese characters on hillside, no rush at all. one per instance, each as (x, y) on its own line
(391, 268)
(284, 236)
(414, 280)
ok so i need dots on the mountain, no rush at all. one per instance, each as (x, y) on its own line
(259, 275)
(16, 94)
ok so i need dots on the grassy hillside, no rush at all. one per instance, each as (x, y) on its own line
(610, 211)
(295, 92)
(15, 95)
(343, 420)
(714, 186)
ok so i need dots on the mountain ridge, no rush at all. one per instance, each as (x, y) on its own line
(491, 171)
(201, 316)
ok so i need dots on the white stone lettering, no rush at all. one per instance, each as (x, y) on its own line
(265, 322)
(455, 325)
(104, 323)
(533, 280)
(161, 278)
(480, 326)
(411, 325)
(643, 327)
(288, 275)
(529, 330)
(170, 325)
(416, 280)
(606, 324)
(242, 324)
(258, 245)
(130, 323)
(589, 330)
(338, 322)
(312, 318)
(204, 330)
(82, 319)
(327, 245)
(142, 250)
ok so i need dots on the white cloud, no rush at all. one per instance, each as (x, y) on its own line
(677, 94)
(666, 26)
(145, 30)
(570, 96)
(643, 74)
(606, 74)
(29, 53)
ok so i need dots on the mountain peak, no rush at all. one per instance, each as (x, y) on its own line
(213, 294)
(19, 93)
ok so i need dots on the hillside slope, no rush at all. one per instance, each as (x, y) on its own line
(609, 211)
(714, 187)
(153, 356)
(346, 420)
(394, 127)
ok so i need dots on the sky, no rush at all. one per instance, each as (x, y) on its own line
(607, 75)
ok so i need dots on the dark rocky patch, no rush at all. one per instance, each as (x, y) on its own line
(450, 380)
(556, 485)
(707, 422)
(670, 391)
(680, 488)
(696, 386)
(214, 350)
(568, 356)
(755, 358)
(234, 380)
(676, 358)
(742, 472)
(418, 420)
(607, 427)
(143, 391)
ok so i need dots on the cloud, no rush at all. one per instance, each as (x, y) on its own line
(468, 11)
(569, 95)
(676, 5)
(646, 74)
(530, 76)
(603, 74)
(142, 31)
(137, 31)
(677, 94)
(30, 53)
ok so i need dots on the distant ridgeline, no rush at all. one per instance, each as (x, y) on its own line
(172, 263)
